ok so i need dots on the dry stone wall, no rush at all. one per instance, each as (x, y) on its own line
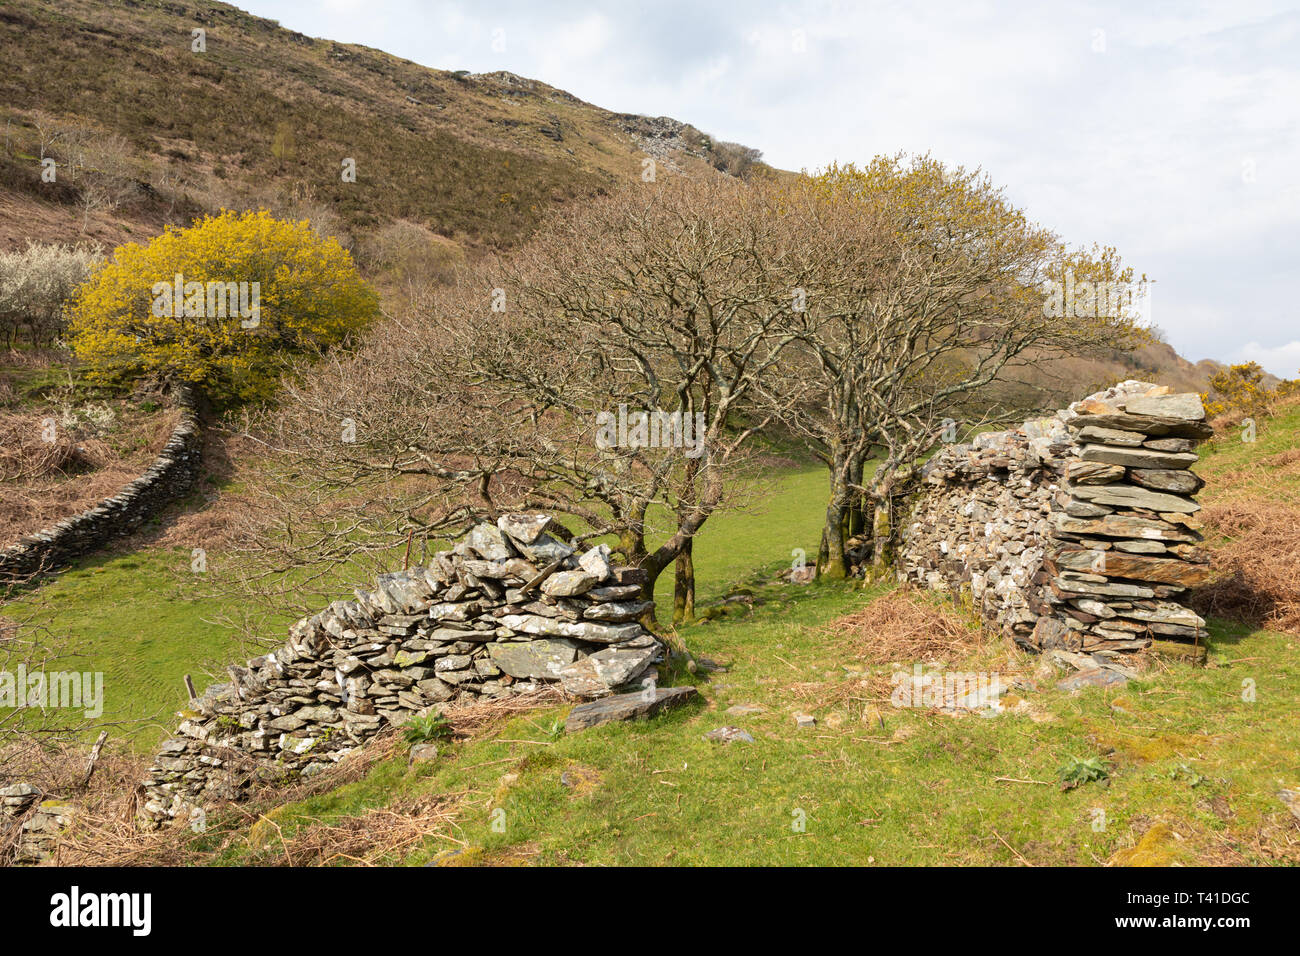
(170, 475)
(510, 609)
(1076, 531)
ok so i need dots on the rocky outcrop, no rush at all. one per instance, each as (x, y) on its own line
(512, 608)
(171, 475)
(1076, 531)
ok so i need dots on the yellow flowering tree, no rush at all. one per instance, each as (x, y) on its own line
(1241, 388)
(220, 305)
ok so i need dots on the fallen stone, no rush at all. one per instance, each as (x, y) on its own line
(423, 752)
(626, 707)
(740, 710)
(728, 735)
(1093, 677)
(805, 721)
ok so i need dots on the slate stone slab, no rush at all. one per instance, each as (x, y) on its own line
(1163, 479)
(601, 672)
(1093, 677)
(626, 707)
(1138, 457)
(1186, 406)
(534, 659)
(1133, 496)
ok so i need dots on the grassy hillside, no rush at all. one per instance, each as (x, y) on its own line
(1192, 763)
(266, 115)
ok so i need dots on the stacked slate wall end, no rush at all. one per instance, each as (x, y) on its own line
(510, 609)
(1076, 531)
(172, 474)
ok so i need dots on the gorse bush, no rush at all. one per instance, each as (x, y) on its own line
(35, 286)
(220, 305)
(1242, 389)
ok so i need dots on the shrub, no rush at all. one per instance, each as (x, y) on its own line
(35, 286)
(220, 305)
(1241, 388)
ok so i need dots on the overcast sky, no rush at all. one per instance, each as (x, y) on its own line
(1172, 133)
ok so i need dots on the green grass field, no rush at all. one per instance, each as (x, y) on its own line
(1194, 757)
(145, 620)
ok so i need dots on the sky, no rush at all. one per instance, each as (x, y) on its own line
(1171, 132)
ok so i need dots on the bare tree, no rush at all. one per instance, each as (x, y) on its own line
(662, 307)
(930, 302)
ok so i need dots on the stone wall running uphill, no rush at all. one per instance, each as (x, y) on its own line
(510, 609)
(171, 475)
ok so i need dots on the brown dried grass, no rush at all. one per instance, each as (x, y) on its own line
(105, 833)
(1258, 564)
(45, 482)
(905, 625)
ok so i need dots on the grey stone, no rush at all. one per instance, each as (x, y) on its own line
(1110, 436)
(423, 752)
(626, 707)
(1164, 479)
(728, 735)
(1093, 677)
(617, 611)
(524, 528)
(1132, 496)
(540, 659)
(583, 631)
(1186, 406)
(569, 583)
(1138, 457)
(605, 670)
(490, 543)
(596, 562)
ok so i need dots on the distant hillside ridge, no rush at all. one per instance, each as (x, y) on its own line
(247, 113)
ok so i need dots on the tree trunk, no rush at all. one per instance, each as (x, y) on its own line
(830, 557)
(882, 534)
(684, 585)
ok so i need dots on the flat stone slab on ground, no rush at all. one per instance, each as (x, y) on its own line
(626, 707)
(727, 735)
(1093, 677)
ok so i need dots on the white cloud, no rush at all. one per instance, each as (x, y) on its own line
(1281, 360)
(1179, 144)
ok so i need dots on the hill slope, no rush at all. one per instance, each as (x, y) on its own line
(266, 115)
